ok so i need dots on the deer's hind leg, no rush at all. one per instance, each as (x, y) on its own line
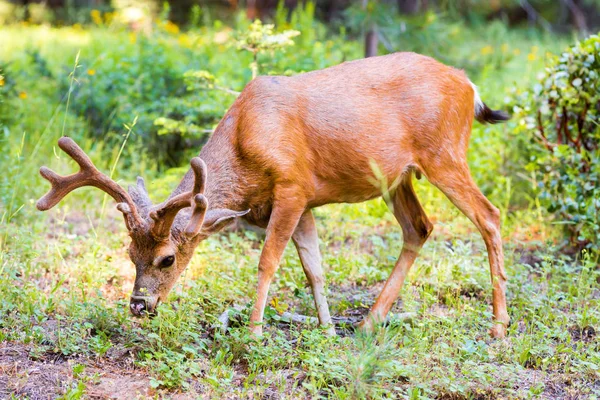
(416, 228)
(462, 191)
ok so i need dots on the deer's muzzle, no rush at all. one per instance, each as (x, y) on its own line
(142, 305)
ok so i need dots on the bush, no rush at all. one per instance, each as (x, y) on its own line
(562, 116)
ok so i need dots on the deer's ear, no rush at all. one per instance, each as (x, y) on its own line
(139, 194)
(218, 219)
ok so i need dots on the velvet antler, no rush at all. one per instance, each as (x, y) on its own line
(88, 175)
(164, 216)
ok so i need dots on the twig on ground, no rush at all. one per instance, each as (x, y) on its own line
(298, 318)
(224, 321)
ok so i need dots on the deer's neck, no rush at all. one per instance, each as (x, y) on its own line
(225, 183)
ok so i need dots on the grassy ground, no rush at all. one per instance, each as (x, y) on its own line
(65, 280)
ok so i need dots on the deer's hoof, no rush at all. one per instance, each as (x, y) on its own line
(366, 325)
(330, 331)
(256, 331)
(498, 331)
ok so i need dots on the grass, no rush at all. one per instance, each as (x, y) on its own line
(65, 278)
(65, 293)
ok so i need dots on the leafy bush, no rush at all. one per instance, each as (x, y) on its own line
(562, 116)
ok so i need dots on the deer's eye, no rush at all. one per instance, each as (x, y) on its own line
(167, 261)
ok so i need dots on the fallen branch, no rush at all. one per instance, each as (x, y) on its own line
(224, 321)
(298, 318)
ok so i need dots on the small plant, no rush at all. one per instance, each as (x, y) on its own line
(260, 38)
(562, 115)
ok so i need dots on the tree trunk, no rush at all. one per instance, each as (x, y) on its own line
(371, 42)
(578, 16)
(251, 11)
(371, 38)
(409, 6)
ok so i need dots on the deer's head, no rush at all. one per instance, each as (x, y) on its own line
(163, 236)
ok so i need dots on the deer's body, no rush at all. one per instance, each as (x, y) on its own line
(348, 133)
(327, 131)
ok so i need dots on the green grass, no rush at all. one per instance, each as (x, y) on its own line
(65, 294)
(65, 277)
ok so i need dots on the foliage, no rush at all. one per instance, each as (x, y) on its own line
(139, 78)
(66, 297)
(562, 116)
(262, 38)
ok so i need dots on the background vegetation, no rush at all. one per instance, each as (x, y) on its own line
(156, 83)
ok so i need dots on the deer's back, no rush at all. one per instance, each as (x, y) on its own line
(334, 130)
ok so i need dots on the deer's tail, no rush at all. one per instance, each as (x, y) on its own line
(486, 115)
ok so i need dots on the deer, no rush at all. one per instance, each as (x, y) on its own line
(291, 144)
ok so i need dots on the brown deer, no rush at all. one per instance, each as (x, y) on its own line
(290, 144)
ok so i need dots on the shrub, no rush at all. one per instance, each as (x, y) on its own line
(561, 115)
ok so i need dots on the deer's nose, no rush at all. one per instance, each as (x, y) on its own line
(137, 306)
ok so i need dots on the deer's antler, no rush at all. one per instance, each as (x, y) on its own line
(88, 175)
(164, 216)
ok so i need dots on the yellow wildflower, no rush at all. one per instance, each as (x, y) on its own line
(504, 48)
(108, 17)
(487, 50)
(77, 27)
(22, 95)
(184, 40)
(96, 17)
(531, 57)
(516, 52)
(1, 81)
(171, 28)
(91, 72)
(132, 37)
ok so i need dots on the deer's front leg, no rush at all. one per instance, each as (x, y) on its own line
(307, 243)
(282, 223)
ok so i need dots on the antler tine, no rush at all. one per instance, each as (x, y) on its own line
(88, 175)
(165, 215)
(197, 218)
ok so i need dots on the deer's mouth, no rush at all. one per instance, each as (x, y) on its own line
(143, 306)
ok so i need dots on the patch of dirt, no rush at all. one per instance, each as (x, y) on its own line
(50, 376)
(110, 385)
(585, 334)
(23, 377)
(523, 384)
(529, 256)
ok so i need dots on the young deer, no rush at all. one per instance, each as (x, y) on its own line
(289, 144)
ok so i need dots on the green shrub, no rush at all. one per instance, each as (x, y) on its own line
(561, 115)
